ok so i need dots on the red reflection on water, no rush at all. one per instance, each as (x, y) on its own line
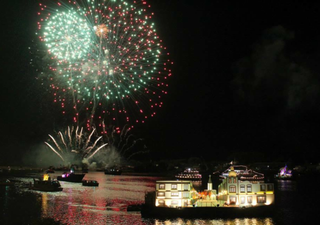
(105, 204)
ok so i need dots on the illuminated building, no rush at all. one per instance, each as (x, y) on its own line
(208, 198)
(177, 193)
(173, 193)
(242, 188)
(245, 189)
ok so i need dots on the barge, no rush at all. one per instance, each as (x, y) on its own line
(237, 196)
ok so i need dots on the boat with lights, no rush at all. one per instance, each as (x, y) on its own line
(113, 170)
(189, 174)
(243, 172)
(284, 174)
(45, 184)
(91, 183)
(234, 198)
(71, 176)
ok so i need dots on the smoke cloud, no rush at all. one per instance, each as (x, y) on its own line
(275, 74)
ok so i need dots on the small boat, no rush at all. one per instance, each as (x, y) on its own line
(284, 174)
(50, 170)
(93, 183)
(71, 176)
(6, 183)
(113, 171)
(45, 184)
(189, 174)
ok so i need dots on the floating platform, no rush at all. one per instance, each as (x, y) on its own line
(148, 211)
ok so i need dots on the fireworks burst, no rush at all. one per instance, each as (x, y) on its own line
(123, 142)
(107, 61)
(73, 145)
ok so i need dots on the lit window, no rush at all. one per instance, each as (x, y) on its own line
(186, 187)
(261, 199)
(174, 203)
(232, 189)
(174, 186)
(249, 199)
(249, 188)
(229, 180)
(174, 194)
(161, 186)
(262, 187)
(242, 188)
(233, 200)
(161, 202)
(242, 199)
(160, 194)
(186, 194)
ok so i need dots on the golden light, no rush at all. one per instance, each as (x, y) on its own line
(45, 177)
(102, 30)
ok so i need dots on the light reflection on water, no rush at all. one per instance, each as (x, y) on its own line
(287, 185)
(107, 203)
(245, 221)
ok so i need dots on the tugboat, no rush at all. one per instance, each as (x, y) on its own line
(189, 174)
(92, 183)
(71, 176)
(113, 171)
(45, 184)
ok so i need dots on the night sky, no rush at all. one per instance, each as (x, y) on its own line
(245, 80)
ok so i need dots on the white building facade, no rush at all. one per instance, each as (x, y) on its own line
(173, 193)
(238, 192)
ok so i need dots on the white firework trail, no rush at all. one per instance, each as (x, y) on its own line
(97, 150)
(54, 150)
(80, 145)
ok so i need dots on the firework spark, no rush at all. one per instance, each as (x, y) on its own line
(123, 141)
(108, 63)
(72, 145)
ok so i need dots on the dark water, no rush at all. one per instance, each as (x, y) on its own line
(297, 203)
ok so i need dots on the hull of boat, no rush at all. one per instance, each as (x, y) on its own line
(72, 177)
(46, 189)
(148, 211)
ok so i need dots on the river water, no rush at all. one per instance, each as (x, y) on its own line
(297, 203)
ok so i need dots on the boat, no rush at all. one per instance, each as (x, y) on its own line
(45, 184)
(284, 174)
(71, 176)
(189, 174)
(93, 183)
(236, 197)
(6, 182)
(243, 172)
(113, 171)
(50, 170)
(148, 211)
